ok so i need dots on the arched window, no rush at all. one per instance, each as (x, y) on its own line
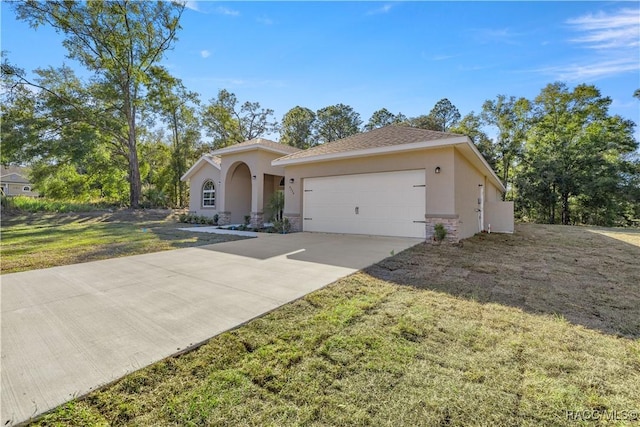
(208, 195)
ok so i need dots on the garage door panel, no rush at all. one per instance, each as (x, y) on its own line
(388, 203)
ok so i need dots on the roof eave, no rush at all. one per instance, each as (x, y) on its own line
(492, 174)
(197, 166)
(234, 149)
(437, 143)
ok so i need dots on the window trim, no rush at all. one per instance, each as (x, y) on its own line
(211, 193)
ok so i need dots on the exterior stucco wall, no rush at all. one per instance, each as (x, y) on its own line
(197, 180)
(259, 163)
(468, 182)
(439, 187)
(13, 184)
(11, 189)
(492, 193)
(238, 187)
(499, 217)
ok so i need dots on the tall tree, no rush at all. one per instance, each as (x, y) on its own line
(19, 122)
(228, 124)
(444, 114)
(471, 125)
(297, 128)
(176, 107)
(425, 121)
(336, 122)
(119, 41)
(45, 127)
(384, 117)
(576, 152)
(510, 116)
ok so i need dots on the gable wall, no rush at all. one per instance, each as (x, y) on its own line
(207, 171)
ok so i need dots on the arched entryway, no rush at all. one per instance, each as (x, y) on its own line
(238, 193)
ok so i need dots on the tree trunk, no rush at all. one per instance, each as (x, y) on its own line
(565, 209)
(178, 162)
(552, 205)
(135, 185)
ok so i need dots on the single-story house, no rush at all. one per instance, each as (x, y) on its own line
(391, 181)
(14, 182)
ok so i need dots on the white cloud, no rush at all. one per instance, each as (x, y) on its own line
(386, 8)
(605, 31)
(592, 70)
(226, 11)
(612, 41)
(265, 20)
(193, 5)
(496, 35)
(205, 53)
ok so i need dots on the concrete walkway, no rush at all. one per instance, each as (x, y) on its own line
(68, 330)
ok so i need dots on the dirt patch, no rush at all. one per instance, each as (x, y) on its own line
(588, 276)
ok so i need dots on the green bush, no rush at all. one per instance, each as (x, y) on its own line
(276, 205)
(283, 226)
(41, 204)
(198, 219)
(440, 232)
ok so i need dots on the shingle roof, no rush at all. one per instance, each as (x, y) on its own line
(215, 159)
(381, 137)
(259, 142)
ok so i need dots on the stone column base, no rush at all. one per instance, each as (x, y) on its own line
(294, 221)
(224, 218)
(450, 223)
(257, 220)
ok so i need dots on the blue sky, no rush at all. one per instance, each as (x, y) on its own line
(403, 56)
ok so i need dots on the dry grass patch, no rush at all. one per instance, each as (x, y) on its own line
(573, 272)
(41, 240)
(423, 338)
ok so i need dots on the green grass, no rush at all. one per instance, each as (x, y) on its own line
(407, 342)
(37, 204)
(46, 240)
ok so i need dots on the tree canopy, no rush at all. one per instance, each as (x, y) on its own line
(228, 124)
(575, 157)
(118, 41)
(297, 128)
(336, 122)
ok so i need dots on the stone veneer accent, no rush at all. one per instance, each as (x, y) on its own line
(294, 220)
(257, 220)
(224, 218)
(450, 223)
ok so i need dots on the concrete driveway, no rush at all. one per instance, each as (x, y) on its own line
(68, 330)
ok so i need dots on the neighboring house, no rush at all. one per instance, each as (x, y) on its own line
(392, 181)
(13, 181)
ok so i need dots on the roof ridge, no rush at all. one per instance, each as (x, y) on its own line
(390, 135)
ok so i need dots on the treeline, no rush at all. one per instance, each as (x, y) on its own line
(130, 131)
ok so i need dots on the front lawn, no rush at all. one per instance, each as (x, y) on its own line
(536, 328)
(40, 240)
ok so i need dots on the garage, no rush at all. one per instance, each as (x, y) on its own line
(385, 204)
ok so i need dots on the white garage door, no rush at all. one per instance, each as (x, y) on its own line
(385, 204)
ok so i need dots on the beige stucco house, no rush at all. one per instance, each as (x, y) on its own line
(14, 182)
(392, 181)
